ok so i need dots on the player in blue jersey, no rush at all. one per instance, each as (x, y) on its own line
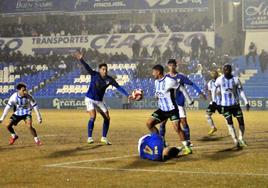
(22, 104)
(100, 81)
(152, 147)
(180, 99)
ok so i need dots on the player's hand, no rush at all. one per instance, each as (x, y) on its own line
(130, 97)
(247, 107)
(78, 55)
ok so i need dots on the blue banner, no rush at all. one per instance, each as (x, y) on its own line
(65, 6)
(255, 14)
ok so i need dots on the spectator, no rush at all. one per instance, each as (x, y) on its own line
(136, 47)
(263, 60)
(252, 52)
(144, 52)
(195, 45)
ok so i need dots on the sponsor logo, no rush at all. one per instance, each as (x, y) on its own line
(12, 44)
(261, 10)
(67, 103)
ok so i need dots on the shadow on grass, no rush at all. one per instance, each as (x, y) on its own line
(225, 154)
(70, 152)
(211, 138)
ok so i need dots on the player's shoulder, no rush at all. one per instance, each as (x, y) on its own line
(220, 78)
(170, 78)
(236, 78)
(30, 97)
(14, 95)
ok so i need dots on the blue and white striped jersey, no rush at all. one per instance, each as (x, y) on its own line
(165, 91)
(22, 105)
(230, 90)
(211, 86)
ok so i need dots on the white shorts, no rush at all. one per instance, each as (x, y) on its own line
(182, 111)
(91, 105)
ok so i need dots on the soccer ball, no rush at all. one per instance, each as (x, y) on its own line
(137, 94)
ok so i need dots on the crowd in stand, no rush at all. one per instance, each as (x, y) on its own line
(74, 25)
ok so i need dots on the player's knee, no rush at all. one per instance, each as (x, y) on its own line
(149, 124)
(208, 115)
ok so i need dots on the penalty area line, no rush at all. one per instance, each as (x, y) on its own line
(160, 171)
(88, 161)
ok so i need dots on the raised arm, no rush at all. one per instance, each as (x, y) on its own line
(79, 57)
(185, 80)
(119, 88)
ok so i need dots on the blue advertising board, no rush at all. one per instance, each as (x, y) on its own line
(65, 6)
(255, 14)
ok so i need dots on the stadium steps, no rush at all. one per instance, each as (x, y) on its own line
(247, 74)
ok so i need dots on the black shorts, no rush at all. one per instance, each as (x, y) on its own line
(212, 109)
(235, 110)
(160, 115)
(16, 119)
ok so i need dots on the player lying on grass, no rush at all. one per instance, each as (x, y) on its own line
(152, 147)
(231, 87)
(22, 104)
(180, 99)
(213, 106)
(165, 91)
(100, 81)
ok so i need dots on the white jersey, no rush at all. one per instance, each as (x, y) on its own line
(211, 86)
(230, 90)
(165, 91)
(22, 105)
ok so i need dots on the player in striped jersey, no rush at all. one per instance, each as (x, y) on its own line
(22, 103)
(165, 91)
(231, 87)
(180, 99)
(213, 106)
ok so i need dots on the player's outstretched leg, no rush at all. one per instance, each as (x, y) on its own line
(151, 122)
(14, 136)
(106, 125)
(90, 126)
(33, 132)
(240, 120)
(187, 148)
(213, 128)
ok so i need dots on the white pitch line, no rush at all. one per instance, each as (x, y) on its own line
(162, 171)
(92, 160)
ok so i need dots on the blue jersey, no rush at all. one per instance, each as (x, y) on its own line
(180, 99)
(98, 84)
(151, 147)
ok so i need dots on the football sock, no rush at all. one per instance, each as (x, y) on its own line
(36, 139)
(162, 130)
(186, 132)
(185, 143)
(90, 127)
(241, 131)
(11, 130)
(232, 132)
(106, 124)
(210, 121)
